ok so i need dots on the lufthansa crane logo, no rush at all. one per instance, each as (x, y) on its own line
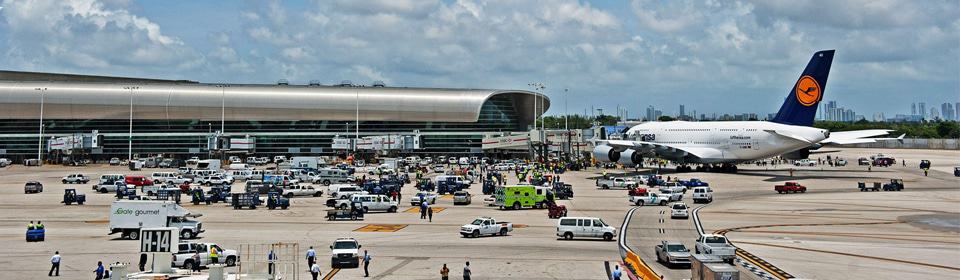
(808, 91)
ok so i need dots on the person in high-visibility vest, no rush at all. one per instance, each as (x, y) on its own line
(213, 254)
(30, 225)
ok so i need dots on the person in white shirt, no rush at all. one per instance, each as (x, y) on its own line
(311, 257)
(315, 271)
(55, 264)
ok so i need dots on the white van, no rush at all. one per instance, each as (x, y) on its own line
(244, 174)
(458, 178)
(329, 176)
(702, 194)
(570, 227)
(209, 164)
(162, 177)
(239, 166)
(375, 202)
(110, 178)
(345, 191)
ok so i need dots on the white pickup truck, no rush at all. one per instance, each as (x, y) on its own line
(671, 195)
(485, 226)
(300, 190)
(621, 183)
(649, 199)
(717, 245)
(184, 256)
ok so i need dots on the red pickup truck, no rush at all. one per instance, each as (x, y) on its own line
(790, 187)
(638, 192)
(138, 181)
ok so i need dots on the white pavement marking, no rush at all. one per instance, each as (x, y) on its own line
(759, 272)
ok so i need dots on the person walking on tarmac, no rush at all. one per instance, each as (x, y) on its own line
(423, 208)
(366, 263)
(315, 270)
(430, 213)
(55, 264)
(616, 273)
(143, 261)
(196, 262)
(271, 259)
(311, 257)
(466, 272)
(444, 273)
(99, 271)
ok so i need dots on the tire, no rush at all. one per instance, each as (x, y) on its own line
(231, 261)
(186, 234)
(133, 235)
(366, 210)
(393, 209)
(284, 207)
(103, 190)
(326, 182)
(638, 203)
(475, 234)
(288, 195)
(608, 236)
(662, 203)
(568, 235)
(187, 264)
(63, 181)
(503, 232)
(516, 205)
(605, 187)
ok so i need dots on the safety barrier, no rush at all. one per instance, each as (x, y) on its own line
(631, 259)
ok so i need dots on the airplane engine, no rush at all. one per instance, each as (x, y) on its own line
(630, 157)
(604, 153)
(798, 154)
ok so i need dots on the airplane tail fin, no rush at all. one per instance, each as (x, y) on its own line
(800, 106)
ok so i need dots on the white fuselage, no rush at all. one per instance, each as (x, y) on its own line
(729, 141)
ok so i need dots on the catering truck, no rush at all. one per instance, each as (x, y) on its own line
(128, 216)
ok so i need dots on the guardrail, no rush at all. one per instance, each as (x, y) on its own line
(631, 259)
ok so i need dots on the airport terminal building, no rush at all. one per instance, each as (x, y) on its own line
(176, 117)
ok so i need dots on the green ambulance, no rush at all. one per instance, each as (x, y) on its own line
(521, 196)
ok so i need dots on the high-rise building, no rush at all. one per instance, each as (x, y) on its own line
(913, 108)
(650, 113)
(682, 113)
(922, 110)
(949, 113)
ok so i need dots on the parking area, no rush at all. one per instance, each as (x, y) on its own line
(831, 231)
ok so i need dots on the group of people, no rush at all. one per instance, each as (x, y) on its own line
(426, 211)
(445, 272)
(32, 226)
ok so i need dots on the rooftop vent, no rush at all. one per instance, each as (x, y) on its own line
(379, 84)
(315, 83)
(345, 83)
(283, 82)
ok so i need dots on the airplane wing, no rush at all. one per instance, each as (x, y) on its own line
(666, 149)
(858, 137)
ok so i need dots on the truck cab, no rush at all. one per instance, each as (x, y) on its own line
(345, 252)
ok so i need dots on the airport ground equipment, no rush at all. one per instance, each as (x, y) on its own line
(485, 226)
(71, 196)
(275, 200)
(717, 245)
(129, 216)
(555, 211)
(488, 187)
(863, 186)
(637, 192)
(426, 185)
(355, 212)
(894, 185)
(562, 190)
(36, 235)
(790, 187)
(245, 200)
(449, 185)
(165, 194)
(32, 187)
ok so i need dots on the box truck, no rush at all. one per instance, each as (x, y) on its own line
(129, 216)
(208, 164)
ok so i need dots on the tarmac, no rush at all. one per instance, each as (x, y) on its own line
(833, 231)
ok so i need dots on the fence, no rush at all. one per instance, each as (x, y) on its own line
(254, 263)
(915, 143)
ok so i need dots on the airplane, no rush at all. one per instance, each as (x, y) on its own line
(725, 143)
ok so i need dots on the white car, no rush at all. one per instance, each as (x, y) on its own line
(676, 187)
(571, 227)
(671, 195)
(702, 194)
(429, 197)
(490, 200)
(213, 180)
(345, 251)
(679, 211)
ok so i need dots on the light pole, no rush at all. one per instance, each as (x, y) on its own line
(40, 138)
(130, 130)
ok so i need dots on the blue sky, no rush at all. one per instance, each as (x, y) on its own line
(713, 56)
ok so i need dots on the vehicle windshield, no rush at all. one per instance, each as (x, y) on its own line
(601, 222)
(477, 222)
(677, 248)
(679, 207)
(716, 239)
(344, 245)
